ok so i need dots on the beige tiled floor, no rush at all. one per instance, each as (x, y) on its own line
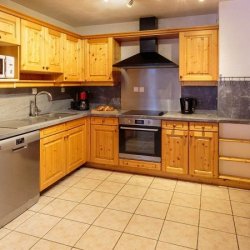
(104, 210)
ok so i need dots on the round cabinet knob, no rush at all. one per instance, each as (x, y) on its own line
(43, 67)
(47, 68)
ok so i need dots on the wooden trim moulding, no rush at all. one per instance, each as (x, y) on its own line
(235, 159)
(234, 140)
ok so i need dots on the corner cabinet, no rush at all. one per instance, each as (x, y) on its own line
(198, 57)
(104, 140)
(100, 55)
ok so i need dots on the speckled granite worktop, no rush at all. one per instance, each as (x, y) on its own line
(206, 116)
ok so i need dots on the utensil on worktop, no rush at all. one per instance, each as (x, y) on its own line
(188, 105)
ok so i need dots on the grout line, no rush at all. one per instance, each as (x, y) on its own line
(199, 220)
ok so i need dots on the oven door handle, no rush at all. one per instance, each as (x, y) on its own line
(140, 129)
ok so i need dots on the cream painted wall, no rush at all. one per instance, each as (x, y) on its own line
(35, 14)
(234, 38)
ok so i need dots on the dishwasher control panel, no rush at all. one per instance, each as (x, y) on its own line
(20, 141)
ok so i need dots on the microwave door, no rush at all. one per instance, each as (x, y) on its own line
(2, 66)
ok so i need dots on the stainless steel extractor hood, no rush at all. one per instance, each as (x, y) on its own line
(148, 56)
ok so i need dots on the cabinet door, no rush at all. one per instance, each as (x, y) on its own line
(199, 56)
(52, 162)
(9, 28)
(99, 59)
(54, 51)
(104, 144)
(76, 147)
(72, 59)
(32, 46)
(175, 151)
(203, 153)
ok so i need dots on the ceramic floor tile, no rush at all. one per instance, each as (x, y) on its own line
(84, 213)
(110, 187)
(55, 191)
(244, 242)
(4, 232)
(70, 180)
(119, 177)
(215, 192)
(152, 209)
(128, 241)
(74, 194)
(242, 226)
(17, 241)
(239, 195)
(211, 240)
(48, 245)
(168, 246)
(99, 174)
(83, 172)
(179, 234)
(184, 215)
(241, 209)
(38, 225)
(59, 207)
(186, 200)
(164, 184)
(133, 191)
(124, 203)
(97, 238)
(112, 219)
(188, 188)
(140, 180)
(43, 201)
(158, 195)
(86, 183)
(216, 221)
(144, 226)
(216, 205)
(66, 232)
(98, 199)
(19, 220)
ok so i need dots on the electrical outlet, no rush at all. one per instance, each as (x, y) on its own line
(62, 90)
(136, 89)
(34, 91)
(141, 89)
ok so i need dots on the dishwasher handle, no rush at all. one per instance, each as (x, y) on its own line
(15, 150)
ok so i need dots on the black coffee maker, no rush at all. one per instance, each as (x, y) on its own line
(188, 105)
(81, 102)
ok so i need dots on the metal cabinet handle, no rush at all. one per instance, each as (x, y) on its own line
(14, 150)
(140, 129)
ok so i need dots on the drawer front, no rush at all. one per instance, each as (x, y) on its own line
(203, 126)
(234, 149)
(175, 125)
(104, 121)
(75, 123)
(235, 131)
(52, 130)
(139, 164)
(234, 168)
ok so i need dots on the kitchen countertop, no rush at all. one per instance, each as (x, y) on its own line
(205, 116)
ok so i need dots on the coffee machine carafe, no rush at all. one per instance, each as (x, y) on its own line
(81, 102)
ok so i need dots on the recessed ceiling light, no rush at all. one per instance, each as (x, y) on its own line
(201, 0)
(130, 3)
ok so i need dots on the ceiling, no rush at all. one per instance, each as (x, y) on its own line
(93, 12)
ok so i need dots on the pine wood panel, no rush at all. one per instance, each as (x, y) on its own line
(104, 121)
(104, 144)
(52, 130)
(52, 159)
(198, 56)
(203, 126)
(175, 151)
(179, 125)
(203, 154)
(32, 46)
(9, 29)
(140, 164)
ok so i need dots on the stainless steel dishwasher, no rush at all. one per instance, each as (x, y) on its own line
(19, 175)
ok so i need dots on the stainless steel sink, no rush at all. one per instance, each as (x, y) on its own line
(52, 116)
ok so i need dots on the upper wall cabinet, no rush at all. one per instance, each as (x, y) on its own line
(100, 55)
(72, 58)
(41, 48)
(9, 29)
(198, 57)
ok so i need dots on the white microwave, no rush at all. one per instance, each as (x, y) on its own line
(7, 67)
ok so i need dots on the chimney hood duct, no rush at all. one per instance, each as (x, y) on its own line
(148, 56)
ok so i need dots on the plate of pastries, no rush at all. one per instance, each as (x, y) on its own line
(104, 109)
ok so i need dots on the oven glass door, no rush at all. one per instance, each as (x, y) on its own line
(2, 66)
(139, 142)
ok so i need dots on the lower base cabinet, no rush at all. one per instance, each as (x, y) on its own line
(62, 149)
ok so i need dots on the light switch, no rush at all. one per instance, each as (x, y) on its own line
(34, 91)
(141, 89)
(136, 89)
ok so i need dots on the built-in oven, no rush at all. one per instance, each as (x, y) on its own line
(140, 139)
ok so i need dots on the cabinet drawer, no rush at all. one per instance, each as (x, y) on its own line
(175, 125)
(203, 126)
(75, 123)
(139, 164)
(235, 131)
(104, 121)
(52, 130)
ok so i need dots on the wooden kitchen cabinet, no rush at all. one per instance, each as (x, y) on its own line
(100, 55)
(198, 57)
(52, 159)
(9, 29)
(72, 48)
(104, 143)
(41, 48)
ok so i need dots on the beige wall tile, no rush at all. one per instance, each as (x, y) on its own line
(158, 195)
